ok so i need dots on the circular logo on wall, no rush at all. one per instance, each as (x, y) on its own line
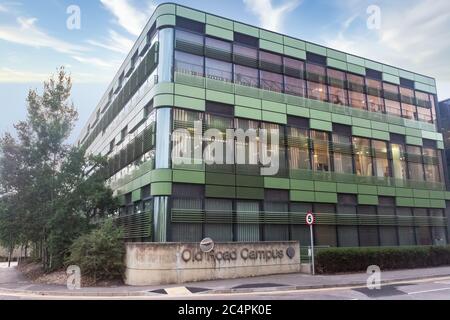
(290, 252)
(207, 245)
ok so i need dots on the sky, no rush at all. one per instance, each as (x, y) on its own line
(35, 39)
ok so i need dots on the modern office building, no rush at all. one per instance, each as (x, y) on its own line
(444, 125)
(359, 142)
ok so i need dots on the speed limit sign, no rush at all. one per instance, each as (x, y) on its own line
(310, 219)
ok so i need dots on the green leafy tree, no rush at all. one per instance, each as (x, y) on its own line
(58, 190)
(100, 253)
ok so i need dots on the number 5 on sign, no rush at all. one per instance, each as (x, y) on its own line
(310, 221)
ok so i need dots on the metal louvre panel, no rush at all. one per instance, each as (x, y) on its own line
(123, 158)
(130, 153)
(189, 47)
(408, 100)
(423, 103)
(411, 157)
(338, 83)
(311, 76)
(139, 146)
(430, 160)
(293, 72)
(344, 148)
(298, 218)
(391, 96)
(148, 139)
(218, 54)
(355, 87)
(269, 66)
(137, 225)
(117, 163)
(374, 92)
(245, 61)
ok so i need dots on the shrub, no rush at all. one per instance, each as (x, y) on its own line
(99, 254)
(336, 260)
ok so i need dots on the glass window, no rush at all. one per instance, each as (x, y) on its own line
(438, 233)
(276, 205)
(406, 235)
(433, 107)
(188, 64)
(185, 119)
(221, 123)
(219, 210)
(271, 58)
(300, 232)
(432, 172)
(321, 151)
(247, 211)
(423, 99)
(374, 95)
(424, 114)
(271, 81)
(415, 166)
(408, 108)
(363, 156)
(246, 76)
(298, 149)
(294, 67)
(246, 53)
(248, 147)
(382, 169)
(338, 96)
(399, 161)
(423, 232)
(408, 111)
(374, 87)
(316, 73)
(187, 198)
(368, 235)
(317, 91)
(342, 155)
(325, 235)
(393, 107)
(391, 99)
(386, 212)
(219, 45)
(219, 70)
(346, 209)
(357, 99)
(355, 83)
(336, 88)
(189, 37)
(294, 86)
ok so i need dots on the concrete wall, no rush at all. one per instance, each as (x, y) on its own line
(171, 263)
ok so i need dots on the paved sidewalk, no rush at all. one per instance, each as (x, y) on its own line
(11, 280)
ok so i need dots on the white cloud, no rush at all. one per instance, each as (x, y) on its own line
(116, 43)
(27, 33)
(8, 75)
(128, 16)
(94, 61)
(415, 37)
(271, 17)
(3, 8)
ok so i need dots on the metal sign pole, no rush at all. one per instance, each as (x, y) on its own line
(312, 248)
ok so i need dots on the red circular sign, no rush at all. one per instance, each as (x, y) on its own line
(310, 219)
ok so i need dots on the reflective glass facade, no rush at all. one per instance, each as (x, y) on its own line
(358, 140)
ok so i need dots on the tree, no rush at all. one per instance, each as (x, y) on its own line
(99, 253)
(58, 190)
